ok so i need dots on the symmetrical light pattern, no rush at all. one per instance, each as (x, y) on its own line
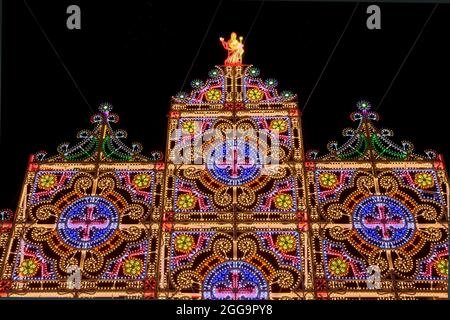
(244, 214)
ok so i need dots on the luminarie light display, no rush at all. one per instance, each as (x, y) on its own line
(225, 223)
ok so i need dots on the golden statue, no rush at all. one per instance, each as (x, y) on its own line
(235, 49)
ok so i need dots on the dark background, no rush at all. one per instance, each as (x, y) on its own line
(136, 55)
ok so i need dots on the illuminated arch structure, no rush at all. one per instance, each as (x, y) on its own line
(232, 226)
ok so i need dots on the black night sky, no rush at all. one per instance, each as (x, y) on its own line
(136, 55)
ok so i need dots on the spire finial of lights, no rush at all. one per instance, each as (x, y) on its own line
(363, 105)
(235, 48)
(105, 107)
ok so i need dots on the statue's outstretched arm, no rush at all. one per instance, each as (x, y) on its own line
(224, 43)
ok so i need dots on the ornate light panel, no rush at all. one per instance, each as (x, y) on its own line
(94, 209)
(378, 205)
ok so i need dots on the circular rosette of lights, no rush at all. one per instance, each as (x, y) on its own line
(363, 105)
(88, 222)
(234, 162)
(255, 94)
(424, 180)
(47, 181)
(133, 267)
(184, 243)
(142, 180)
(384, 222)
(213, 95)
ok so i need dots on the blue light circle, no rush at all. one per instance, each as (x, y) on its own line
(88, 222)
(384, 222)
(234, 162)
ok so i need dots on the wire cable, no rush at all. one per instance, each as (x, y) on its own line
(58, 56)
(331, 55)
(407, 56)
(254, 20)
(201, 44)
